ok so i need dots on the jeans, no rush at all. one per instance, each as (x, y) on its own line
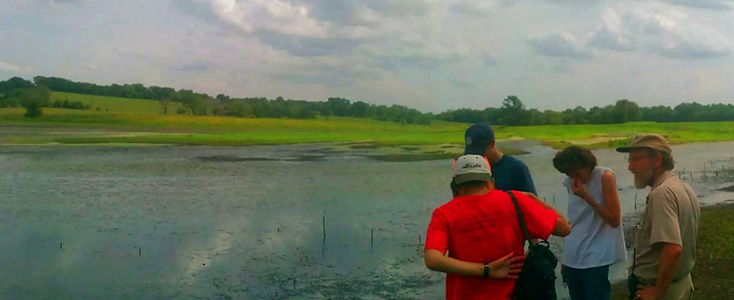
(588, 284)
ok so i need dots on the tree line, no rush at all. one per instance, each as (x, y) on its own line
(17, 92)
(514, 113)
(35, 95)
(221, 105)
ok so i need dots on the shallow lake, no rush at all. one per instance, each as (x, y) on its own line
(103, 222)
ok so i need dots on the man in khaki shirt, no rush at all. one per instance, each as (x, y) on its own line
(665, 240)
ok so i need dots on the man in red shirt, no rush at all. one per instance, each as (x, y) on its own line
(482, 234)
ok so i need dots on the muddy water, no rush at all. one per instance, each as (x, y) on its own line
(303, 221)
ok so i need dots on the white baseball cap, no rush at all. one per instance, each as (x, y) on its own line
(472, 168)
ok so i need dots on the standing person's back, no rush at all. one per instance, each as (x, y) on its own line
(479, 226)
(509, 173)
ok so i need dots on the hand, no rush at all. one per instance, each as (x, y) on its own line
(579, 189)
(507, 267)
(648, 293)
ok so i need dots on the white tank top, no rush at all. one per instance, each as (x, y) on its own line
(592, 242)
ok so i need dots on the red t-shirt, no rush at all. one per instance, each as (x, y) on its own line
(483, 228)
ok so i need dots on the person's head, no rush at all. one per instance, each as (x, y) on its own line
(576, 162)
(649, 156)
(479, 140)
(472, 175)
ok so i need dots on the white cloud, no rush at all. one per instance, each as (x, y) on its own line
(611, 33)
(14, 69)
(411, 52)
(714, 5)
(706, 4)
(473, 7)
(391, 33)
(663, 30)
(562, 44)
(272, 15)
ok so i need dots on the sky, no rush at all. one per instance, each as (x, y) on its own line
(432, 55)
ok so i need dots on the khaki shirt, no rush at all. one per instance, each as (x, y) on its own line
(671, 216)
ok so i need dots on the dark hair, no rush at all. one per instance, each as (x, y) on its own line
(572, 158)
(668, 162)
(474, 184)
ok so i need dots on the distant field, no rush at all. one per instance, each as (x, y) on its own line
(611, 135)
(117, 105)
(144, 118)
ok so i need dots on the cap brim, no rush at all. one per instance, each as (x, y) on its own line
(472, 177)
(630, 148)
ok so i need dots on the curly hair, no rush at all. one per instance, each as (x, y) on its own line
(572, 158)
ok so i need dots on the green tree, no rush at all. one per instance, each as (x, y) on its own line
(513, 111)
(305, 113)
(359, 109)
(626, 111)
(325, 110)
(339, 106)
(198, 106)
(14, 83)
(239, 108)
(33, 110)
(33, 99)
(688, 112)
(658, 113)
(222, 97)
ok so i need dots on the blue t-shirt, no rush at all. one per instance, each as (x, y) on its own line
(511, 174)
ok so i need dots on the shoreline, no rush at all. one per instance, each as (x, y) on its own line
(146, 138)
(229, 131)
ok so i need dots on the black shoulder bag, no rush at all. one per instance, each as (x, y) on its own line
(537, 280)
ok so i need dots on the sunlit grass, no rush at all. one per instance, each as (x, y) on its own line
(116, 105)
(215, 130)
(712, 274)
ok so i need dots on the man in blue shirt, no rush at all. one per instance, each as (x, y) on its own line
(510, 174)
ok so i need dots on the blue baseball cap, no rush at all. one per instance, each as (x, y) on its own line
(477, 138)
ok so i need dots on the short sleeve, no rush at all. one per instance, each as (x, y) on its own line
(539, 219)
(525, 181)
(438, 233)
(664, 219)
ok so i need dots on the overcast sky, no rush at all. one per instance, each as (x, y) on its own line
(429, 54)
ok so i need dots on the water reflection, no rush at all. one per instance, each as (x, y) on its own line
(160, 222)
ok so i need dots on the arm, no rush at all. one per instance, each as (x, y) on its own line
(665, 235)
(670, 255)
(562, 227)
(611, 214)
(505, 267)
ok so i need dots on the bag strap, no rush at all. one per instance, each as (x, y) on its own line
(520, 217)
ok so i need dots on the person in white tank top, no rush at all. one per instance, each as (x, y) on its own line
(596, 240)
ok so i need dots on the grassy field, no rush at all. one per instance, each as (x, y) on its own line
(114, 105)
(604, 136)
(144, 117)
(712, 275)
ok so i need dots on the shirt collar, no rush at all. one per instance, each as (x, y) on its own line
(665, 175)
